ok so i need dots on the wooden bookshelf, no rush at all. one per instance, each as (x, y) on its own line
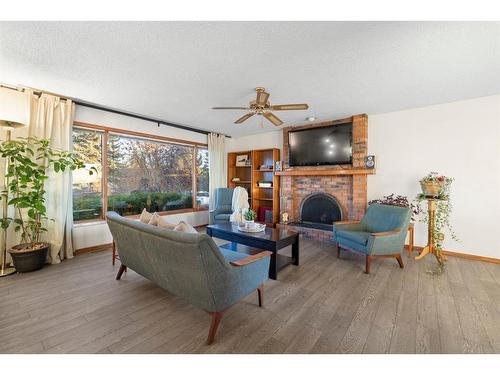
(250, 175)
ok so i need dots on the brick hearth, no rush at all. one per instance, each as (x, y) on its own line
(349, 190)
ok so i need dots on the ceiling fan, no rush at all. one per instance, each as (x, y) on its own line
(261, 106)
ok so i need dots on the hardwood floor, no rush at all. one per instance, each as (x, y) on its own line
(326, 305)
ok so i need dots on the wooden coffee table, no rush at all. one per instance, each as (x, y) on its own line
(271, 239)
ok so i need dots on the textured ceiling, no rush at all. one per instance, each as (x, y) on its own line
(177, 71)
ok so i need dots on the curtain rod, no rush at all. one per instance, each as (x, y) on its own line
(116, 111)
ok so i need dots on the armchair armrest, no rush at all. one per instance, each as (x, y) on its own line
(250, 259)
(386, 233)
(346, 222)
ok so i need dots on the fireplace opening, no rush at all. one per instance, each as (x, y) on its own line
(319, 211)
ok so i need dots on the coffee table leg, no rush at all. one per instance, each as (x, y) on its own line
(295, 252)
(273, 267)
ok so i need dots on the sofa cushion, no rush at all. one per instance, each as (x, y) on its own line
(145, 216)
(232, 256)
(224, 217)
(354, 236)
(185, 227)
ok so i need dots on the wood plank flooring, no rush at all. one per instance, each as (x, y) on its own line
(326, 305)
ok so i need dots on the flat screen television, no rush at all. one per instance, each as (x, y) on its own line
(328, 145)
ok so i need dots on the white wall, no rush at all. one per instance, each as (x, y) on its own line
(97, 233)
(459, 139)
(273, 139)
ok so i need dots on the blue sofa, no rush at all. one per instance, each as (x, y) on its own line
(189, 265)
(381, 233)
(223, 200)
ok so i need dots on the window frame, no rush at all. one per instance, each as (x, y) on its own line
(106, 130)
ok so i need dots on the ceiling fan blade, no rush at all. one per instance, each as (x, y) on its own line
(231, 108)
(289, 107)
(271, 117)
(244, 118)
(262, 97)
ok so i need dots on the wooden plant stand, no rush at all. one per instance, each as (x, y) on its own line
(430, 247)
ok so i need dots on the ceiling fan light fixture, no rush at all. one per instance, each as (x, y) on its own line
(311, 118)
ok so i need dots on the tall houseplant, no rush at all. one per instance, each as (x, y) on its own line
(30, 161)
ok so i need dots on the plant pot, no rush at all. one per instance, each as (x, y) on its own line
(29, 260)
(249, 223)
(431, 188)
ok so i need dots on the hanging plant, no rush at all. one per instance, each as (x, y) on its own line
(437, 187)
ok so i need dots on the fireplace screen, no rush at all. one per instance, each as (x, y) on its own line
(320, 208)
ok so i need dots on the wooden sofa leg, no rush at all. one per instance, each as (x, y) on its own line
(216, 317)
(260, 292)
(338, 250)
(368, 260)
(120, 271)
(400, 261)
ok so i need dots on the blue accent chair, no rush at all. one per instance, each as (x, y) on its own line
(189, 265)
(223, 206)
(381, 233)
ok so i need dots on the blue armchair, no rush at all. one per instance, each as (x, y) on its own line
(189, 265)
(381, 233)
(223, 206)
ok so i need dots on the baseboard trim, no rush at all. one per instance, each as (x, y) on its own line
(107, 246)
(93, 249)
(463, 255)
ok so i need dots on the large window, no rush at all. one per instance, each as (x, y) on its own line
(202, 177)
(87, 188)
(137, 173)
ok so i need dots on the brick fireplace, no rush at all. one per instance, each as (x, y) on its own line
(347, 184)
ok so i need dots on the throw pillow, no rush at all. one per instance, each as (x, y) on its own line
(158, 221)
(185, 227)
(145, 216)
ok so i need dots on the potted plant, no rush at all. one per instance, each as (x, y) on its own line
(434, 185)
(30, 160)
(249, 216)
(443, 208)
(401, 201)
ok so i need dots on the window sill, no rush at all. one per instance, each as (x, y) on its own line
(164, 213)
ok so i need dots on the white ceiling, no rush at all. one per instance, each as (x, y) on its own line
(177, 71)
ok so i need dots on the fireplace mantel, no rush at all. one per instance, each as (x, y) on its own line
(325, 172)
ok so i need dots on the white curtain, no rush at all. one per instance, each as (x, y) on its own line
(217, 164)
(52, 118)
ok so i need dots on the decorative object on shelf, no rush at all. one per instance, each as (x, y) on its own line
(31, 159)
(283, 213)
(277, 165)
(241, 160)
(235, 179)
(370, 162)
(436, 191)
(264, 167)
(401, 201)
(14, 114)
(265, 184)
